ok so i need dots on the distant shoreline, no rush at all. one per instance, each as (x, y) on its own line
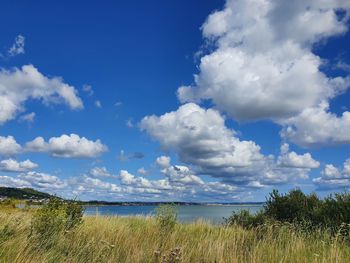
(102, 203)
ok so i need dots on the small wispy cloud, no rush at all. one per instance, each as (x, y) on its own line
(98, 104)
(129, 123)
(18, 46)
(343, 66)
(27, 117)
(142, 171)
(88, 90)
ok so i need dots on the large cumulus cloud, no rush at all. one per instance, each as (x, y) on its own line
(201, 139)
(19, 85)
(264, 66)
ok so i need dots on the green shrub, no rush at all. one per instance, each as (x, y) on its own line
(335, 213)
(306, 212)
(74, 214)
(294, 207)
(54, 218)
(166, 216)
(245, 219)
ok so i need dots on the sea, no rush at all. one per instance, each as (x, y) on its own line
(214, 214)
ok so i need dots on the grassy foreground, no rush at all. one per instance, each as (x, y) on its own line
(132, 239)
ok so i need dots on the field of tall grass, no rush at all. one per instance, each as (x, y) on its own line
(141, 239)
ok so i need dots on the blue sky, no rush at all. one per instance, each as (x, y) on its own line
(181, 100)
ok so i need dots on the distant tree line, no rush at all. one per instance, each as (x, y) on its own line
(23, 193)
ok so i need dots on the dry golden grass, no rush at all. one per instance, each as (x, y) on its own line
(132, 239)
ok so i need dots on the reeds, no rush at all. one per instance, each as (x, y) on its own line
(138, 239)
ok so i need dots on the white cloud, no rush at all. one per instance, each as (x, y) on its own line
(180, 182)
(342, 65)
(264, 67)
(317, 126)
(37, 145)
(8, 181)
(331, 172)
(101, 172)
(346, 169)
(68, 146)
(17, 47)
(334, 178)
(142, 171)
(88, 89)
(179, 174)
(19, 85)
(9, 146)
(163, 161)
(292, 159)
(85, 184)
(43, 181)
(127, 178)
(272, 173)
(29, 117)
(11, 165)
(187, 184)
(98, 104)
(129, 123)
(201, 139)
(220, 188)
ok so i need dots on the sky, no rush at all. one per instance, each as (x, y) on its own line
(206, 101)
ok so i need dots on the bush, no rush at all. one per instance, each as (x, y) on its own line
(294, 207)
(245, 219)
(335, 213)
(166, 216)
(305, 212)
(56, 217)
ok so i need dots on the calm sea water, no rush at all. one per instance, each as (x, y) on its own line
(189, 213)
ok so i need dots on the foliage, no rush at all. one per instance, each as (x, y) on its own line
(335, 213)
(307, 212)
(23, 193)
(245, 219)
(57, 216)
(166, 216)
(293, 207)
(136, 239)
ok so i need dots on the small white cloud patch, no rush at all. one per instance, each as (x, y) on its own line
(9, 146)
(98, 104)
(68, 146)
(18, 46)
(11, 165)
(334, 178)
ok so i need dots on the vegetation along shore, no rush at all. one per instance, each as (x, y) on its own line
(291, 228)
